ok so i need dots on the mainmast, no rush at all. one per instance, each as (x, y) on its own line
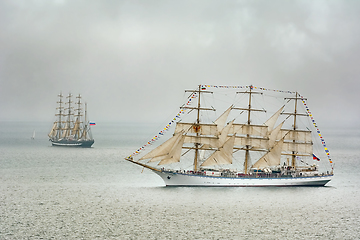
(68, 124)
(78, 118)
(249, 109)
(197, 125)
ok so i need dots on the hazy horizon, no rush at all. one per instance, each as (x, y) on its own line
(132, 60)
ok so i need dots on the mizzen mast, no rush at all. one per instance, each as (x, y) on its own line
(295, 113)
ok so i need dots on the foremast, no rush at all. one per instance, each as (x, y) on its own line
(249, 110)
(197, 126)
(58, 124)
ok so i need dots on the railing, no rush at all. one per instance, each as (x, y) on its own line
(242, 175)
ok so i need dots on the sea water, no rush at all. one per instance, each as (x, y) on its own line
(62, 193)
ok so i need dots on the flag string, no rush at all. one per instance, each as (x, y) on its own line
(318, 132)
(177, 118)
(203, 87)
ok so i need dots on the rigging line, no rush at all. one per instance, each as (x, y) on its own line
(185, 152)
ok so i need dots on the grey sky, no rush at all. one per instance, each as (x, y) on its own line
(132, 60)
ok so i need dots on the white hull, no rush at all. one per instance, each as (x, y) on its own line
(179, 179)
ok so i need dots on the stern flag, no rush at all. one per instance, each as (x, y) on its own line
(92, 123)
(315, 157)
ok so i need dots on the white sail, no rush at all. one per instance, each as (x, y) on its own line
(222, 156)
(304, 148)
(205, 140)
(252, 130)
(271, 158)
(167, 152)
(192, 128)
(256, 143)
(53, 130)
(210, 141)
(175, 153)
(273, 136)
(224, 134)
(272, 120)
(220, 121)
(296, 135)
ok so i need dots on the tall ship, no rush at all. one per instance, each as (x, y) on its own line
(260, 137)
(70, 129)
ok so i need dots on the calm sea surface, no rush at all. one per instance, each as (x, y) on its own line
(59, 193)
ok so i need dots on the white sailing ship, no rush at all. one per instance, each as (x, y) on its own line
(69, 130)
(225, 152)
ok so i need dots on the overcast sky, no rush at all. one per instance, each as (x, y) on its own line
(132, 60)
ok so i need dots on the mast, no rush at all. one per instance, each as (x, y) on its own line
(197, 125)
(68, 128)
(85, 126)
(78, 118)
(294, 153)
(249, 109)
(59, 127)
(293, 162)
(247, 154)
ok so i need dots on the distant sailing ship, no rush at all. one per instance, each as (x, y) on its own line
(275, 151)
(69, 130)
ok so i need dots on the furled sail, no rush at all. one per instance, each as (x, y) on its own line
(221, 156)
(168, 152)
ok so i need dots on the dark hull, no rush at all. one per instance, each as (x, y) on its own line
(72, 143)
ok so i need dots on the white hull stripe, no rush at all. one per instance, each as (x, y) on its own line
(177, 179)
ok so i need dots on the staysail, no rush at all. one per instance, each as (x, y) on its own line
(221, 156)
(271, 158)
(168, 152)
(53, 131)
